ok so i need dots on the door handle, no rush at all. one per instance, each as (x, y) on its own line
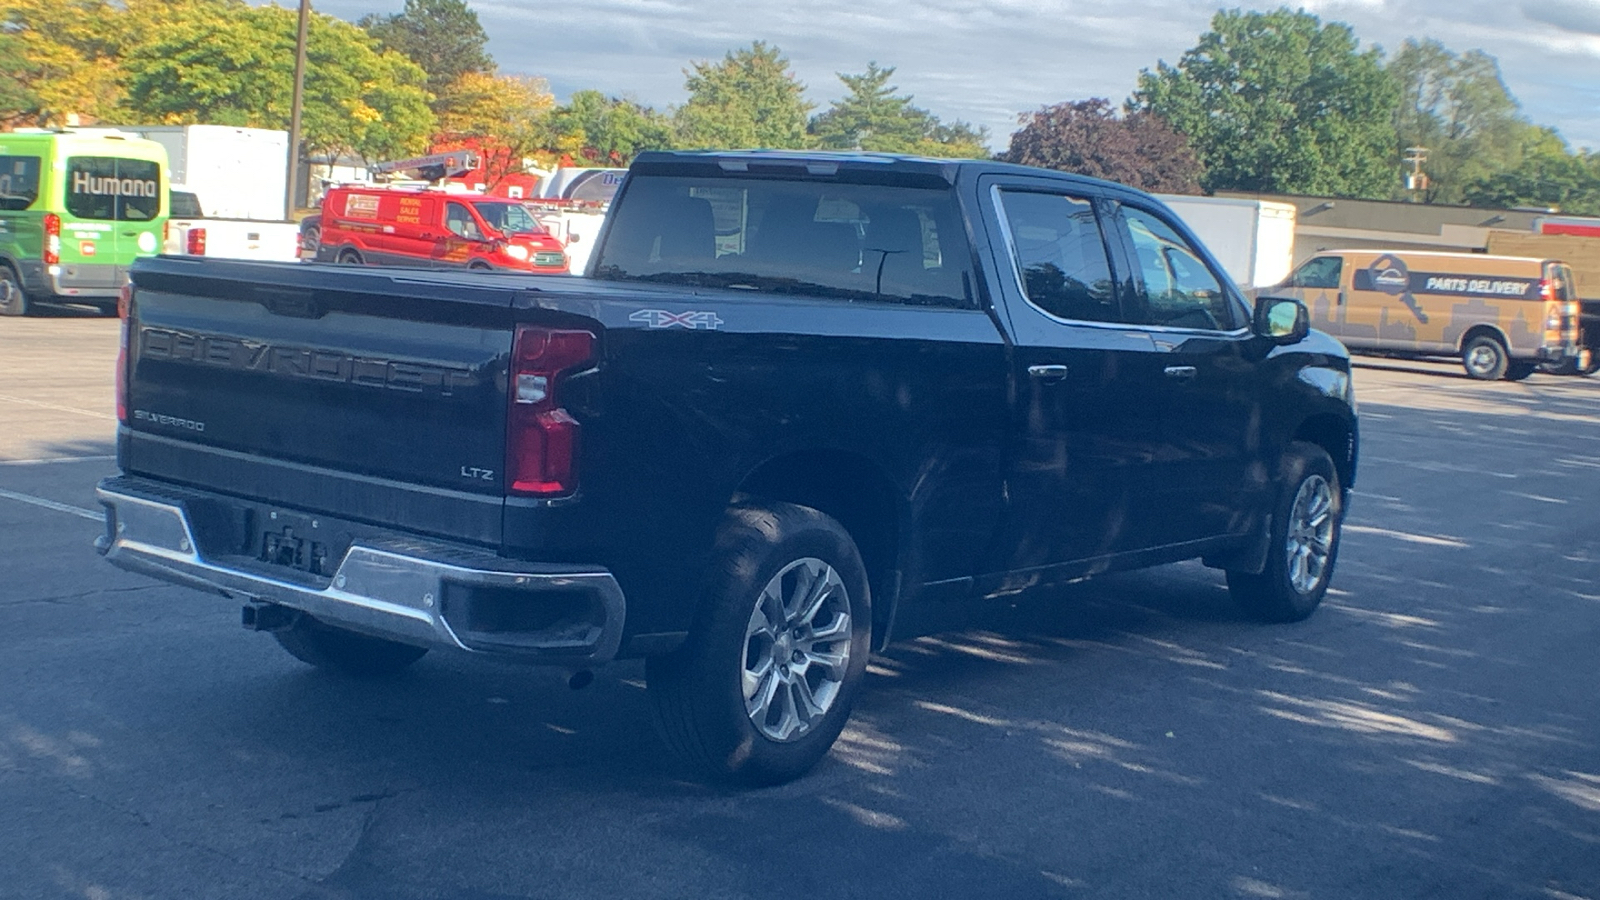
(1341, 296)
(1048, 373)
(1182, 373)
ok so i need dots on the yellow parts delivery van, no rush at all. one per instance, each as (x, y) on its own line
(1501, 315)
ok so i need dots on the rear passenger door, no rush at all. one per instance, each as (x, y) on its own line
(1206, 376)
(1082, 422)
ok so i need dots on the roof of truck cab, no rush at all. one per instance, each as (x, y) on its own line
(948, 167)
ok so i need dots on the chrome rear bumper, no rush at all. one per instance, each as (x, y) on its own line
(403, 588)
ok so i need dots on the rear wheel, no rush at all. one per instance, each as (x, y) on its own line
(13, 301)
(346, 652)
(1485, 358)
(350, 258)
(479, 266)
(1304, 545)
(765, 682)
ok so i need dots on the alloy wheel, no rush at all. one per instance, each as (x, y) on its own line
(1310, 538)
(796, 649)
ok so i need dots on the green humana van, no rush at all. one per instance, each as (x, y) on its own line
(77, 207)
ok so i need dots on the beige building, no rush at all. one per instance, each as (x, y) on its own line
(1334, 223)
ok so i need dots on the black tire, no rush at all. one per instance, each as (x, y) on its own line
(1485, 358)
(1279, 593)
(345, 652)
(1590, 363)
(13, 300)
(1517, 371)
(478, 266)
(350, 258)
(699, 692)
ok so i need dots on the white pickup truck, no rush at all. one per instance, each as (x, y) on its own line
(190, 232)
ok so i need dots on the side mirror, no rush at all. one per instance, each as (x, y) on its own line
(1281, 320)
(574, 238)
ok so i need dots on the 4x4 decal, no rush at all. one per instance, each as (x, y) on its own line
(660, 318)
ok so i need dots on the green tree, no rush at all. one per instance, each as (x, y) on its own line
(444, 37)
(63, 60)
(873, 117)
(750, 99)
(229, 63)
(17, 98)
(1280, 102)
(1457, 106)
(504, 117)
(1088, 137)
(1548, 175)
(608, 131)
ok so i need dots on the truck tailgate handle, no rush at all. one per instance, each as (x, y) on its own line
(1182, 373)
(1048, 373)
(297, 304)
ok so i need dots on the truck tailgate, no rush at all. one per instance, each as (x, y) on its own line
(379, 395)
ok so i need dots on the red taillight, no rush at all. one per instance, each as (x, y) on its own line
(541, 437)
(124, 308)
(1547, 289)
(196, 242)
(52, 239)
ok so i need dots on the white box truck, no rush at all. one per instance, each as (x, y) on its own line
(238, 173)
(229, 191)
(1253, 239)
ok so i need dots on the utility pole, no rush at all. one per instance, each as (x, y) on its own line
(1416, 179)
(294, 115)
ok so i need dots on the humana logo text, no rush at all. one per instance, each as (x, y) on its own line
(84, 183)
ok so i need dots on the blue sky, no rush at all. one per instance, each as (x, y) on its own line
(985, 61)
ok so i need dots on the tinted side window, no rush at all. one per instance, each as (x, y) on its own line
(19, 181)
(112, 189)
(827, 239)
(1179, 291)
(1319, 272)
(460, 222)
(1061, 255)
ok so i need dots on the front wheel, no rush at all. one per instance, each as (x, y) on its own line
(345, 652)
(765, 682)
(1306, 523)
(1485, 358)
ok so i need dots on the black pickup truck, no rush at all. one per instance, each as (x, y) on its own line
(801, 405)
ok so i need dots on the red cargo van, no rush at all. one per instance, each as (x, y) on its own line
(369, 225)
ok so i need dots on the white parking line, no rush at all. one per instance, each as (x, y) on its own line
(51, 504)
(57, 407)
(56, 459)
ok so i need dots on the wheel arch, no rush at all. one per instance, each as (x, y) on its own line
(1481, 329)
(1336, 435)
(861, 497)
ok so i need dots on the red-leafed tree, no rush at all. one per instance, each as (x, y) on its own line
(1088, 137)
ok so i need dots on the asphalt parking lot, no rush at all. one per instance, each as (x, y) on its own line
(1434, 731)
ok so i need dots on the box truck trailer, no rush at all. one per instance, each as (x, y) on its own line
(1253, 239)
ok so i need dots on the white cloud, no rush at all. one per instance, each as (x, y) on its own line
(988, 60)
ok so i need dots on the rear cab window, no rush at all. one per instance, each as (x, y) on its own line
(833, 239)
(113, 189)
